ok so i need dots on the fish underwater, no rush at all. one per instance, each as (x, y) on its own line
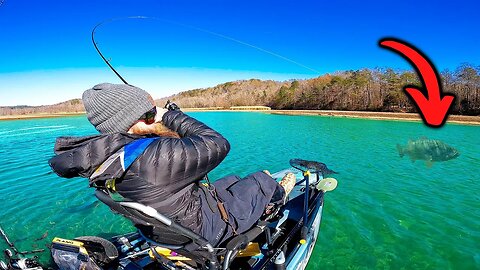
(429, 150)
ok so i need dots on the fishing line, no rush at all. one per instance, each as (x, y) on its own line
(30, 128)
(249, 45)
(35, 132)
(107, 61)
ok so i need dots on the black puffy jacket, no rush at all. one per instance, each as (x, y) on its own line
(164, 176)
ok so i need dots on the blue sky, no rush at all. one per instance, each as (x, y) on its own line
(46, 55)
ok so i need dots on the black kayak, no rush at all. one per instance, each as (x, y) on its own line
(285, 241)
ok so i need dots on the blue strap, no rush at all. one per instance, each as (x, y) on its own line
(118, 163)
(134, 149)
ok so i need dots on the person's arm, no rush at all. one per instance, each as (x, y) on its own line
(186, 126)
(180, 162)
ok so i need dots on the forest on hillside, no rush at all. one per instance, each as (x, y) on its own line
(358, 90)
(355, 90)
(70, 106)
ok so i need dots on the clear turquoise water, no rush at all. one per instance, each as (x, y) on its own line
(387, 212)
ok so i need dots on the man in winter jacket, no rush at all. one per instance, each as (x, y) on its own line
(166, 175)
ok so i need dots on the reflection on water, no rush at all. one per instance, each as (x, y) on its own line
(386, 212)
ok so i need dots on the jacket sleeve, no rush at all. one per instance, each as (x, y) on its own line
(180, 162)
(81, 156)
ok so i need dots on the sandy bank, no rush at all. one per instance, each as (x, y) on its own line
(460, 119)
(38, 115)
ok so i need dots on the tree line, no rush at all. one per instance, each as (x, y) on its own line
(355, 90)
(377, 89)
(74, 105)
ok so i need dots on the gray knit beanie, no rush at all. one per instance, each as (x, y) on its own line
(113, 108)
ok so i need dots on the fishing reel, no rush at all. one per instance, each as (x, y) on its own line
(26, 264)
(20, 263)
(171, 106)
(15, 258)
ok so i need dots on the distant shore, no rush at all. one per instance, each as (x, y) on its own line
(38, 115)
(459, 119)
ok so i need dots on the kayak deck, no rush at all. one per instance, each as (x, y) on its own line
(285, 241)
(288, 240)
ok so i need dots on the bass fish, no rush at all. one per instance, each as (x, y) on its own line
(428, 150)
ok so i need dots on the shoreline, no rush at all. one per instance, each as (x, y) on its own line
(413, 117)
(396, 116)
(38, 116)
(458, 119)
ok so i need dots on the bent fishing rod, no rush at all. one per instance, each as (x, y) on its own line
(100, 53)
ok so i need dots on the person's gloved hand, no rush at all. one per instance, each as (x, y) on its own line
(171, 106)
(160, 113)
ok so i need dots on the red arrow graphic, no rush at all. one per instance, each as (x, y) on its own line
(433, 107)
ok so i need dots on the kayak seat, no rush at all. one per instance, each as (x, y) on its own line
(161, 231)
(149, 227)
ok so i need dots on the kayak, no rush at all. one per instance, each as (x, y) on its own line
(285, 241)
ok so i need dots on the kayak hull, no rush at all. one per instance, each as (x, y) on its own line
(300, 258)
(285, 244)
(298, 254)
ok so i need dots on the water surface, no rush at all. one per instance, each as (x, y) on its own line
(387, 212)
